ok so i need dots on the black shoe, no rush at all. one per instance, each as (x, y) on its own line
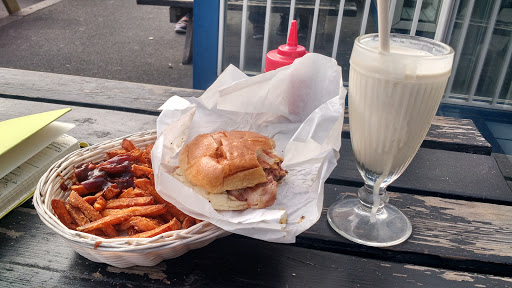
(257, 32)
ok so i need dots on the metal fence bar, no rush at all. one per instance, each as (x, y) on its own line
(313, 28)
(484, 50)
(458, 50)
(338, 29)
(509, 92)
(416, 17)
(290, 18)
(448, 36)
(365, 17)
(503, 73)
(444, 18)
(220, 50)
(392, 8)
(500, 106)
(265, 35)
(242, 35)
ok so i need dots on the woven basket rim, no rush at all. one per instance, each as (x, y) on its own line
(46, 190)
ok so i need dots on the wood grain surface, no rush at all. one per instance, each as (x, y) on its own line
(432, 172)
(34, 256)
(447, 233)
(86, 91)
(437, 172)
(445, 133)
(459, 204)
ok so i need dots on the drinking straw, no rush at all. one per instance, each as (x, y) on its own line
(383, 15)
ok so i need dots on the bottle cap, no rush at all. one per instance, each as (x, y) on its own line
(286, 53)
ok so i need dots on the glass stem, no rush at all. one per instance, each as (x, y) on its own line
(365, 195)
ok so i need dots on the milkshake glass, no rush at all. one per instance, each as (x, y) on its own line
(393, 97)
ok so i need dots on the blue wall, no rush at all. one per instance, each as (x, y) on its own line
(205, 42)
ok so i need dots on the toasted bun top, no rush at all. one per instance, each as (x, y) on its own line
(222, 161)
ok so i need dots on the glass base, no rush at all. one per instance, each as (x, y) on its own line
(352, 221)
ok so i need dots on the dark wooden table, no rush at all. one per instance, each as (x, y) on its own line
(453, 192)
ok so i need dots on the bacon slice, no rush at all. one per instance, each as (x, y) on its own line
(260, 196)
(264, 194)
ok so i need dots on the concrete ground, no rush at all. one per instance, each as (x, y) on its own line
(114, 39)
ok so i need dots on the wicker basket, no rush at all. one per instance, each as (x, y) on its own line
(123, 252)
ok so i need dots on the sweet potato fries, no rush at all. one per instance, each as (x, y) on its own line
(117, 198)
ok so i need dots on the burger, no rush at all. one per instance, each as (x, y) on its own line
(234, 170)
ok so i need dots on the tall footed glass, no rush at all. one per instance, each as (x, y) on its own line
(393, 97)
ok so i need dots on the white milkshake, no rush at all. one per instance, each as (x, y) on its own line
(393, 97)
(396, 84)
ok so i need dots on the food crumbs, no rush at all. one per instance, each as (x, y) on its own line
(97, 275)
(301, 218)
(97, 244)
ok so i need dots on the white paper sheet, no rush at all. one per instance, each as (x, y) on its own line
(300, 106)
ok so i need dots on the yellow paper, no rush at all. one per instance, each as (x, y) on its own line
(14, 131)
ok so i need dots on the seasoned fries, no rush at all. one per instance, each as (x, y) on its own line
(128, 202)
(141, 224)
(117, 198)
(80, 189)
(146, 185)
(171, 226)
(111, 192)
(63, 214)
(99, 204)
(77, 215)
(188, 222)
(152, 210)
(132, 193)
(105, 221)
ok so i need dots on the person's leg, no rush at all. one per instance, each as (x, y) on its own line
(257, 18)
(181, 26)
(282, 29)
(303, 25)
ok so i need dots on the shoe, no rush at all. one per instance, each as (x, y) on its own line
(181, 26)
(257, 32)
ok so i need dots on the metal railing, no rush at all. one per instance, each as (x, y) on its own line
(446, 11)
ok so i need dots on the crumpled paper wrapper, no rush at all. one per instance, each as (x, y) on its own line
(300, 106)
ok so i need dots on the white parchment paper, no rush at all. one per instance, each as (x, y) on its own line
(300, 106)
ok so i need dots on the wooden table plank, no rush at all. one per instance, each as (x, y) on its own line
(437, 172)
(426, 174)
(449, 234)
(95, 127)
(445, 133)
(471, 237)
(33, 255)
(87, 91)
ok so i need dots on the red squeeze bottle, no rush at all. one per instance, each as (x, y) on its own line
(286, 53)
